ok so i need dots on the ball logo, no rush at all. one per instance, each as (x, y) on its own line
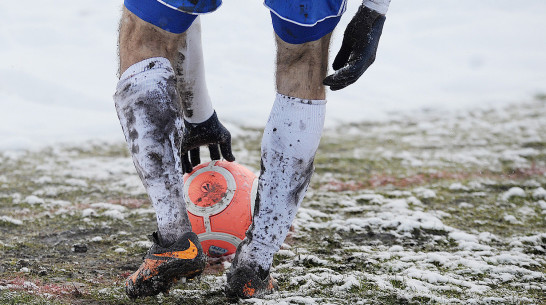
(216, 251)
(220, 198)
(206, 188)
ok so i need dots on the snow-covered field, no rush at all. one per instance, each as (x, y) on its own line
(435, 193)
(58, 71)
(431, 207)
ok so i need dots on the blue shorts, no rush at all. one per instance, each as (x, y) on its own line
(294, 21)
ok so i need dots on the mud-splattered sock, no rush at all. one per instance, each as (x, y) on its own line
(190, 73)
(147, 104)
(290, 141)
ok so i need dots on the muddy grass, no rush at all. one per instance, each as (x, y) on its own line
(439, 208)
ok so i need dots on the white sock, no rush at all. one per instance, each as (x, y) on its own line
(147, 104)
(190, 73)
(290, 141)
(380, 6)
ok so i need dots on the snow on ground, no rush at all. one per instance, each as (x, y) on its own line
(58, 71)
(431, 207)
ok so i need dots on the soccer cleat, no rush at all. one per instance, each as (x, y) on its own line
(245, 282)
(163, 266)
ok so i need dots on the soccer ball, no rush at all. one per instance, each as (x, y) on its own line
(220, 199)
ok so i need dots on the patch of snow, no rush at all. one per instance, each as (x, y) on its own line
(462, 236)
(425, 193)
(120, 250)
(457, 186)
(89, 212)
(396, 248)
(312, 258)
(146, 244)
(11, 220)
(43, 180)
(465, 205)
(511, 219)
(487, 237)
(348, 283)
(287, 253)
(513, 192)
(62, 211)
(539, 193)
(34, 200)
(526, 211)
(115, 214)
(531, 183)
(76, 182)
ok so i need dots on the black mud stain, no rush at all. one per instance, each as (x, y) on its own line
(185, 89)
(259, 191)
(303, 177)
(133, 134)
(135, 149)
(130, 115)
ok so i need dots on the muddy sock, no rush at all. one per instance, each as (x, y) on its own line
(190, 73)
(148, 109)
(290, 141)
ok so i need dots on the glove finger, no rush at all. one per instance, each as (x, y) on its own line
(343, 55)
(214, 152)
(335, 88)
(225, 147)
(342, 78)
(359, 61)
(194, 157)
(186, 165)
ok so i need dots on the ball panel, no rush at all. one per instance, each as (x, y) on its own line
(207, 189)
(223, 200)
(197, 223)
(234, 220)
(218, 244)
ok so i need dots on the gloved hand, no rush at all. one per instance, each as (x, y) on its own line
(358, 48)
(211, 133)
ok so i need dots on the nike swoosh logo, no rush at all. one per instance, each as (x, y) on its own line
(189, 253)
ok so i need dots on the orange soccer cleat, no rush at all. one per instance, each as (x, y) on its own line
(244, 281)
(163, 266)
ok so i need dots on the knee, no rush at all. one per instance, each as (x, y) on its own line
(140, 40)
(292, 54)
(311, 55)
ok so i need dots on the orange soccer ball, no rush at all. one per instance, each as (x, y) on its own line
(220, 198)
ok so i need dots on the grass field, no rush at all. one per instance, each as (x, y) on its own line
(427, 208)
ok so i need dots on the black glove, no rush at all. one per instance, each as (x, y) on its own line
(358, 48)
(211, 133)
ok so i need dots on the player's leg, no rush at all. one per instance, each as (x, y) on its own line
(291, 138)
(300, 68)
(148, 106)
